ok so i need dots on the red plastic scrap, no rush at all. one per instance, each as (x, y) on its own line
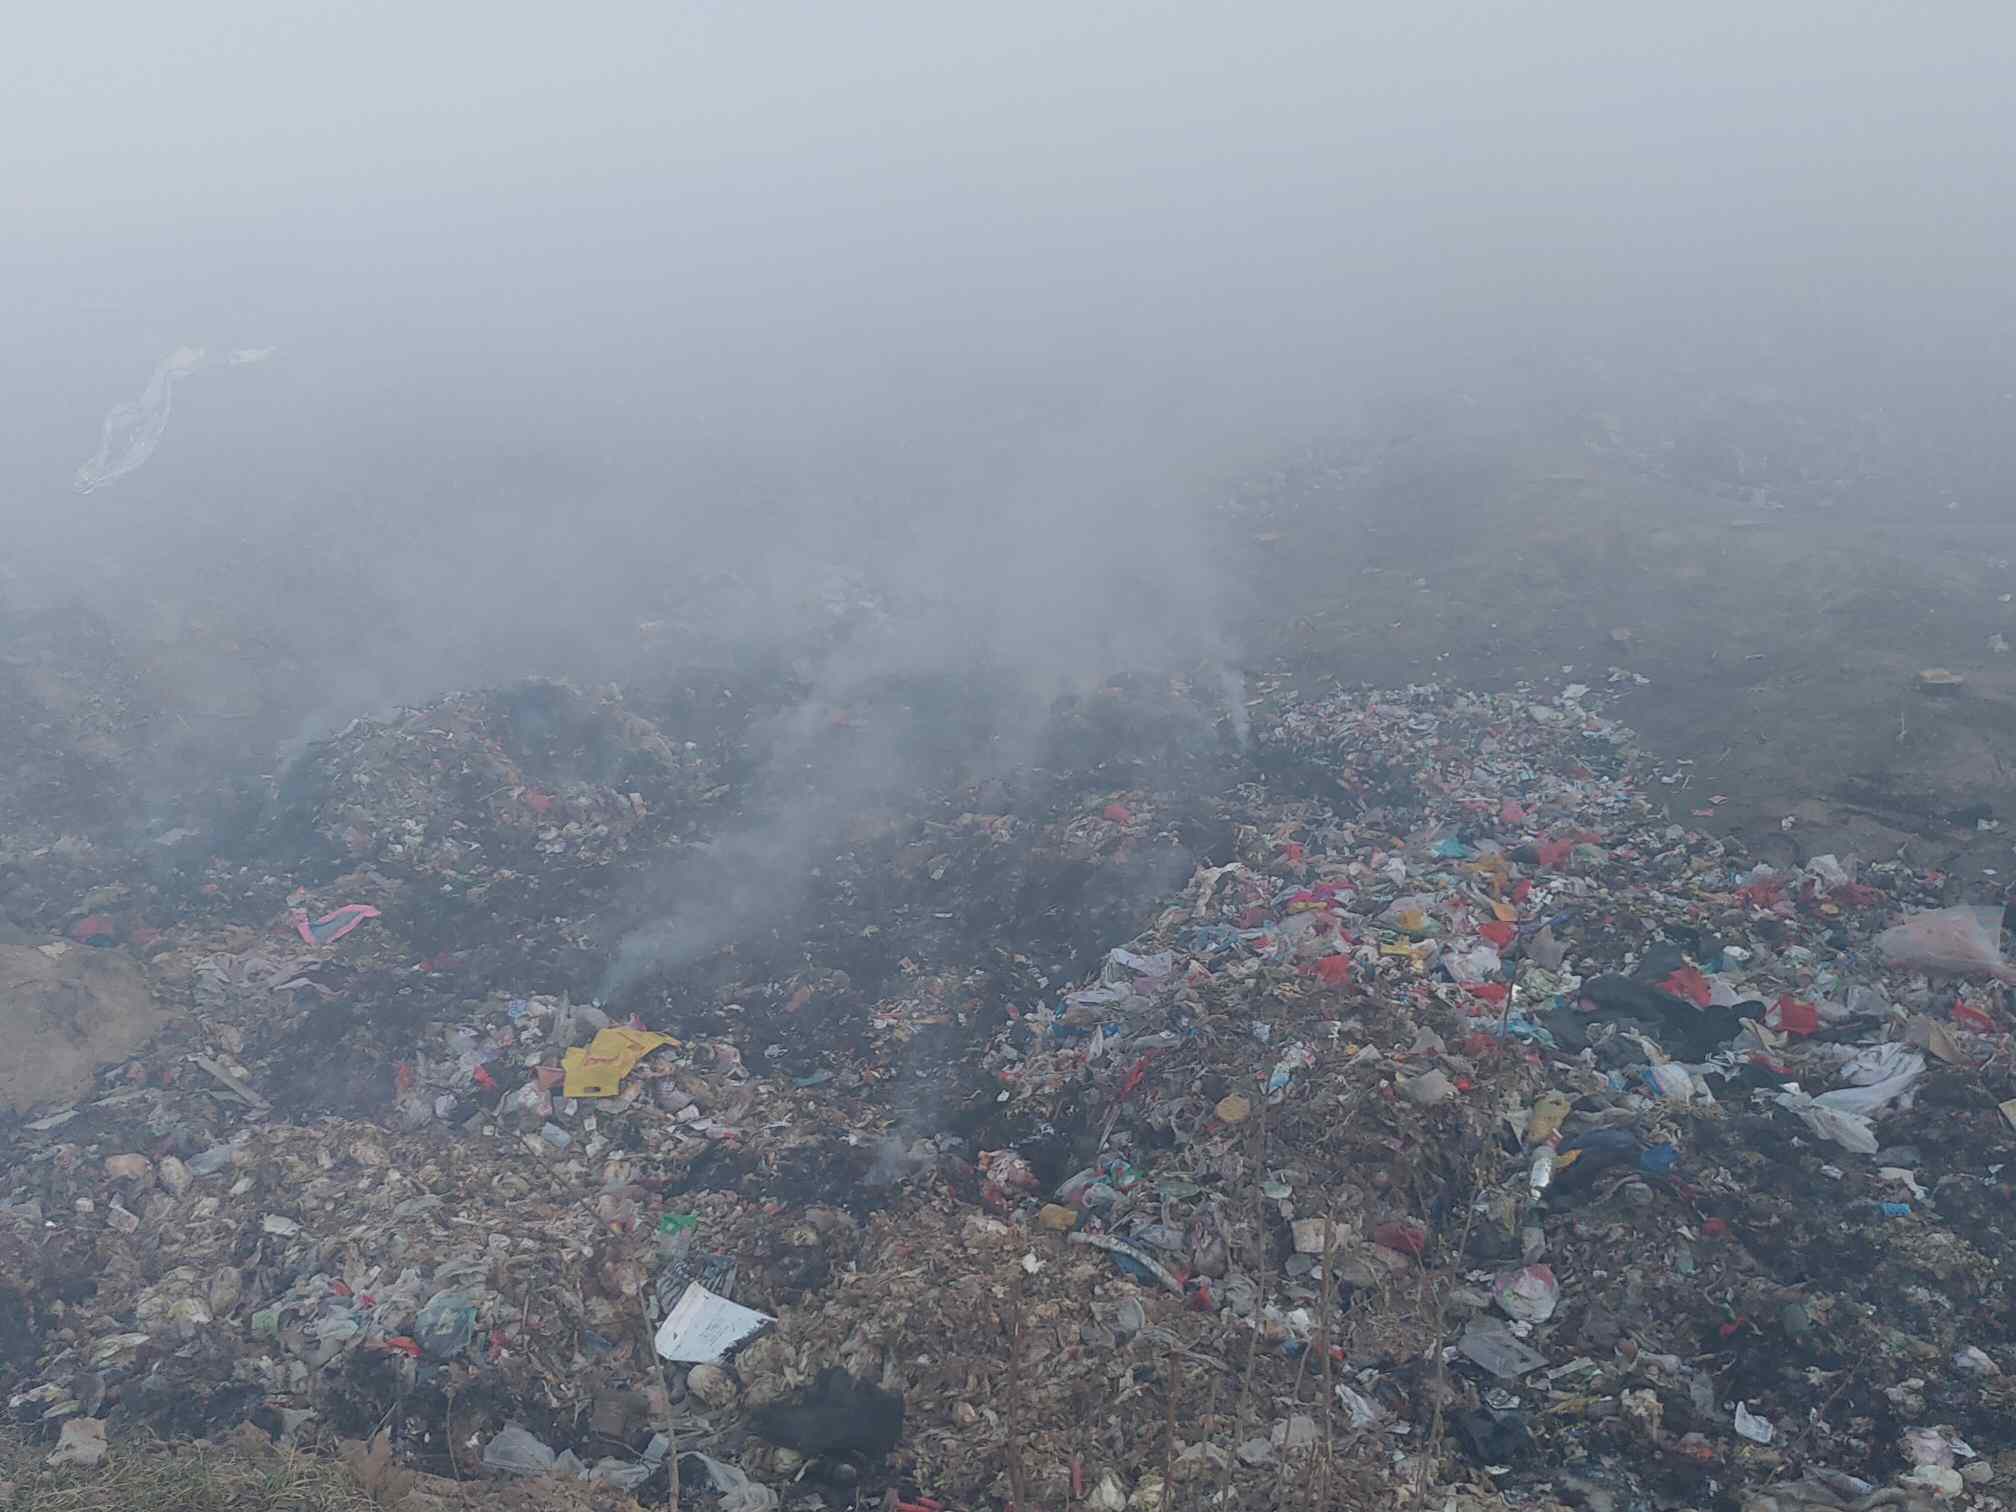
(1493, 993)
(1135, 1077)
(1792, 1015)
(1334, 970)
(1765, 894)
(484, 1079)
(1117, 813)
(1688, 983)
(1499, 933)
(1555, 852)
(1292, 852)
(403, 1345)
(403, 1077)
(537, 801)
(1967, 1016)
(92, 927)
(1409, 1236)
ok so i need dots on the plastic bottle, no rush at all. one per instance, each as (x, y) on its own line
(1541, 1174)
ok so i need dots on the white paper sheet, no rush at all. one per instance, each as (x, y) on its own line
(703, 1326)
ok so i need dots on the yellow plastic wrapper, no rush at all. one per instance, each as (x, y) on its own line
(599, 1069)
(1549, 1110)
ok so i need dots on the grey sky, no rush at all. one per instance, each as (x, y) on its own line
(1045, 264)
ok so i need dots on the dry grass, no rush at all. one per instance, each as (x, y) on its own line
(181, 1478)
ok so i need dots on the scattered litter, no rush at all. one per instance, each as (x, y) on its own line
(1754, 1428)
(738, 1492)
(517, 1452)
(598, 1070)
(1529, 1295)
(702, 1327)
(82, 1443)
(1965, 941)
(333, 925)
(1476, 1017)
(1492, 1345)
(1128, 1252)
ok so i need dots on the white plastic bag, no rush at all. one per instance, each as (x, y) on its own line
(1850, 1130)
(132, 430)
(1966, 941)
(738, 1492)
(1479, 963)
(1757, 1429)
(1880, 1063)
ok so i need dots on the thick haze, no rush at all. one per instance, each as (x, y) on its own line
(570, 303)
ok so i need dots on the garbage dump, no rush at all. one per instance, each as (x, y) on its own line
(1414, 1106)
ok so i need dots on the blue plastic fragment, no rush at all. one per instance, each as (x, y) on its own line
(1135, 1268)
(1659, 1159)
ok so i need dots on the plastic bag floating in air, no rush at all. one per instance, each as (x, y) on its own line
(132, 431)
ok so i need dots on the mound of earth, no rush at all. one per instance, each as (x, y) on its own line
(65, 1011)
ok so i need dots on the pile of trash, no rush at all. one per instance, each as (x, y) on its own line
(1456, 1118)
(481, 781)
(1613, 1150)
